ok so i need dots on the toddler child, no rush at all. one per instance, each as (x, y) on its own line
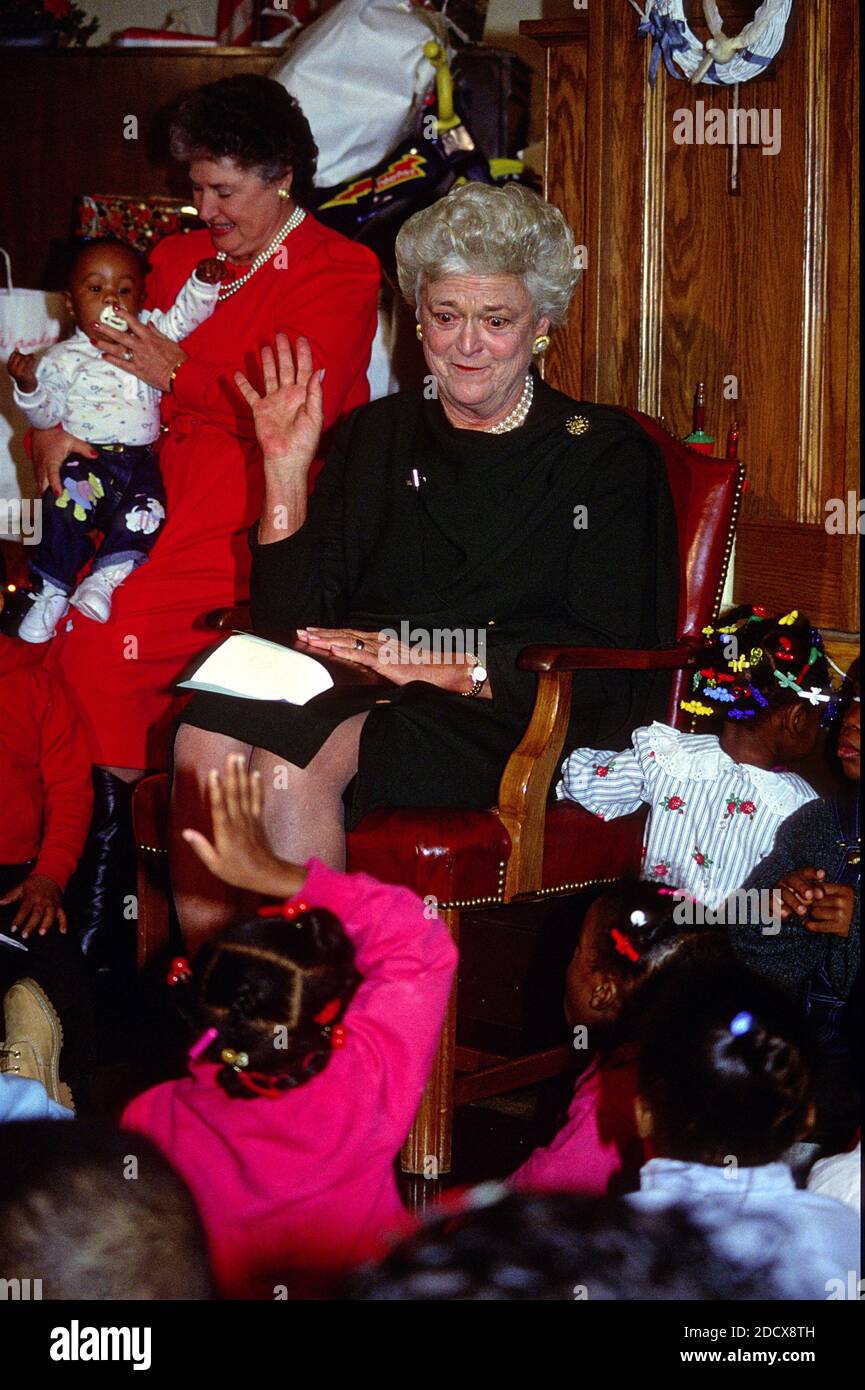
(628, 936)
(717, 799)
(726, 1087)
(317, 1023)
(118, 489)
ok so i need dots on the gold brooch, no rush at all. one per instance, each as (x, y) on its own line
(577, 424)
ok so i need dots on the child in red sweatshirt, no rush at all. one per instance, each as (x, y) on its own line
(320, 1020)
(44, 818)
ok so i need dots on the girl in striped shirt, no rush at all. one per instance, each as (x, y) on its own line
(717, 799)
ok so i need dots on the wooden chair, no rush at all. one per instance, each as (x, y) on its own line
(523, 848)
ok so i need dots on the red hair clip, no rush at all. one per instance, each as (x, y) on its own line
(179, 971)
(623, 945)
(329, 1012)
(286, 910)
(261, 1084)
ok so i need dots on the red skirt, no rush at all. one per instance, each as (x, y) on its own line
(123, 672)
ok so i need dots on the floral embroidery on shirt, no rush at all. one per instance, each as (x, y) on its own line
(701, 860)
(747, 808)
(659, 870)
(674, 803)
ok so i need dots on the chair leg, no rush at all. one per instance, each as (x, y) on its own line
(427, 1151)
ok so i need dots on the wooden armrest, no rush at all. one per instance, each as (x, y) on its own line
(542, 657)
(525, 782)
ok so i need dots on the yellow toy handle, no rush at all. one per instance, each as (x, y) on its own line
(435, 54)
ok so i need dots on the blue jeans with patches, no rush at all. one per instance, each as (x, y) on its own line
(120, 493)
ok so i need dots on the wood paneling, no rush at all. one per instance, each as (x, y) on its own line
(62, 116)
(688, 281)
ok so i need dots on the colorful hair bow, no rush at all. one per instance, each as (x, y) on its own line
(740, 714)
(786, 680)
(789, 618)
(694, 707)
(759, 697)
(717, 693)
(814, 696)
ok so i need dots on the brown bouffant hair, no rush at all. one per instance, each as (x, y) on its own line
(274, 990)
(753, 664)
(252, 120)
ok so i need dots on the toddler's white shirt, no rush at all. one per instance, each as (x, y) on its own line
(711, 820)
(96, 400)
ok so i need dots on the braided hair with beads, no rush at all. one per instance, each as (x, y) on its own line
(268, 996)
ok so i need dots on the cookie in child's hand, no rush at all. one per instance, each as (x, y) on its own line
(112, 319)
(211, 270)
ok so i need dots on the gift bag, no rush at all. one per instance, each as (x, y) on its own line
(30, 320)
(358, 106)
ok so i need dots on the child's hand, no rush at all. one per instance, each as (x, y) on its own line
(22, 369)
(40, 905)
(240, 854)
(834, 912)
(799, 891)
(210, 271)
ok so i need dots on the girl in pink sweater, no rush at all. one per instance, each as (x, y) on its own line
(318, 1024)
(627, 937)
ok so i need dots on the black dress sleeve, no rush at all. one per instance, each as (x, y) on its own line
(303, 579)
(621, 590)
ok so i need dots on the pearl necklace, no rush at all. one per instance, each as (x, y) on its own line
(234, 285)
(520, 411)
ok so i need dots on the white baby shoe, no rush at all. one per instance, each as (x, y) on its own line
(47, 608)
(93, 595)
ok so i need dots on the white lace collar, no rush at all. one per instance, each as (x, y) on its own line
(700, 758)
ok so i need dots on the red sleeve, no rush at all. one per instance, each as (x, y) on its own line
(333, 304)
(66, 782)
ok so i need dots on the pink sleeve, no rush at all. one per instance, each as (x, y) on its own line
(597, 1151)
(393, 1022)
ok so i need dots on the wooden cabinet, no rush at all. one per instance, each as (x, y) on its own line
(687, 281)
(64, 131)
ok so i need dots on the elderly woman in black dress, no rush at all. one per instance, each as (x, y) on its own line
(449, 528)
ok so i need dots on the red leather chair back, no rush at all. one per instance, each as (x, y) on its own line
(706, 494)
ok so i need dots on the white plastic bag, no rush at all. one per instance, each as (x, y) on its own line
(355, 73)
(30, 320)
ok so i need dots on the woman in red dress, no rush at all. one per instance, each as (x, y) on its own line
(251, 160)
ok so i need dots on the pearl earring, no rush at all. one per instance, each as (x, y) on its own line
(418, 331)
(540, 345)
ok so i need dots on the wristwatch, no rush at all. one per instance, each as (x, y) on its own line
(478, 674)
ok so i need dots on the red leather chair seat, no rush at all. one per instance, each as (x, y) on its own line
(580, 848)
(460, 857)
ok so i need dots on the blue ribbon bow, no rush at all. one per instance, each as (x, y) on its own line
(668, 36)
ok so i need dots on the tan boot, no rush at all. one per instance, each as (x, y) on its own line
(34, 1037)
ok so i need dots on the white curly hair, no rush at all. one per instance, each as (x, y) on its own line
(480, 230)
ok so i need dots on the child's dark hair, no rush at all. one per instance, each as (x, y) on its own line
(557, 1247)
(642, 932)
(753, 664)
(726, 1067)
(97, 1213)
(81, 248)
(274, 989)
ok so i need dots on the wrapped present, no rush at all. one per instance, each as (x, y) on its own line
(139, 221)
